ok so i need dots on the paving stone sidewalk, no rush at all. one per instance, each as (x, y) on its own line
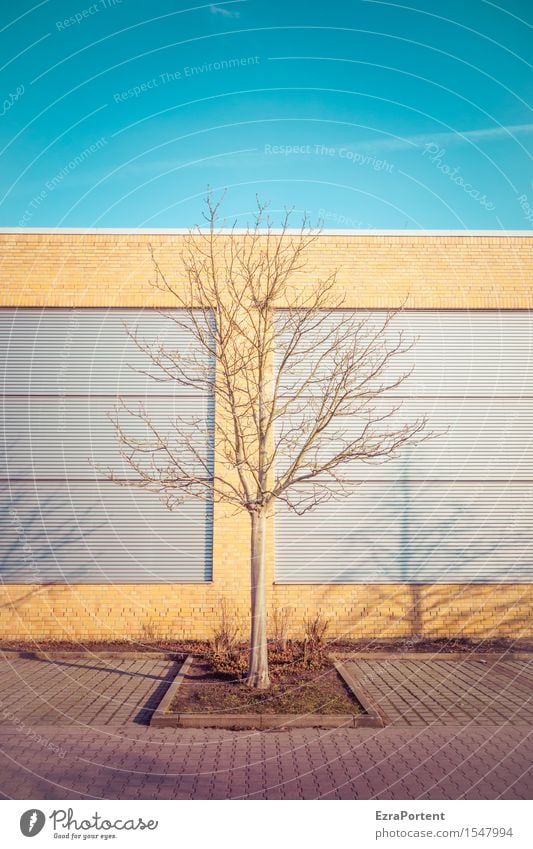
(96, 689)
(77, 728)
(448, 692)
(147, 763)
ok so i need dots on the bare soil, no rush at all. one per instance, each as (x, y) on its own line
(201, 647)
(427, 644)
(292, 691)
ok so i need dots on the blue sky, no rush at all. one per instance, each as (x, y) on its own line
(365, 114)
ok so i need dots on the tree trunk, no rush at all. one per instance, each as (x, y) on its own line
(258, 659)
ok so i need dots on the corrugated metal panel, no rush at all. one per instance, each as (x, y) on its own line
(62, 371)
(60, 351)
(99, 533)
(456, 353)
(414, 533)
(54, 438)
(473, 439)
(425, 516)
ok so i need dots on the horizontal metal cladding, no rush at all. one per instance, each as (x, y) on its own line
(89, 351)
(410, 532)
(453, 353)
(64, 372)
(454, 508)
(470, 438)
(100, 533)
(54, 437)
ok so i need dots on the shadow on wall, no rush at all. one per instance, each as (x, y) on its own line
(387, 611)
(36, 530)
(415, 554)
(33, 533)
(471, 605)
(487, 603)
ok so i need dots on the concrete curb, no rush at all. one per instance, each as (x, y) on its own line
(362, 696)
(163, 718)
(437, 655)
(104, 655)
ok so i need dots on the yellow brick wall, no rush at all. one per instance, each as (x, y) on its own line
(184, 611)
(105, 269)
(111, 270)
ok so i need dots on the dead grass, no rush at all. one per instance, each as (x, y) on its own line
(293, 691)
(334, 644)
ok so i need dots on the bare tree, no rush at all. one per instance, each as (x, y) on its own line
(298, 382)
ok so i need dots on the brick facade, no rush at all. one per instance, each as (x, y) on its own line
(106, 269)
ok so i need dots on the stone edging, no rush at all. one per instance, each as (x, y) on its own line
(163, 718)
(361, 694)
(420, 655)
(103, 655)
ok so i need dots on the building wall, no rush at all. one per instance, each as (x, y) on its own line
(431, 271)
(113, 269)
(184, 611)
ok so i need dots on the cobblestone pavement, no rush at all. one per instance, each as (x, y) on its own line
(448, 692)
(82, 690)
(76, 728)
(135, 762)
